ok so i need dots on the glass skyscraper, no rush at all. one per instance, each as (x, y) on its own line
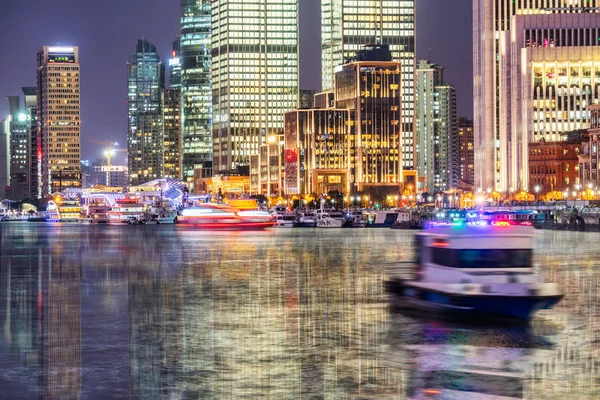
(348, 25)
(196, 100)
(255, 75)
(145, 86)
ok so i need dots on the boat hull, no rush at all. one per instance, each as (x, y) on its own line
(473, 305)
(226, 226)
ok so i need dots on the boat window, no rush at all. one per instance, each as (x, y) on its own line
(482, 258)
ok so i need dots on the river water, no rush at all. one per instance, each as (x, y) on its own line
(165, 312)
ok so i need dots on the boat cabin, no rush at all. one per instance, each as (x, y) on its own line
(475, 254)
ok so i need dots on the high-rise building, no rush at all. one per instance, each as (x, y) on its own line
(172, 133)
(59, 120)
(255, 75)
(4, 157)
(354, 143)
(535, 67)
(196, 100)
(175, 65)
(145, 87)
(435, 124)
(19, 126)
(35, 143)
(465, 158)
(349, 25)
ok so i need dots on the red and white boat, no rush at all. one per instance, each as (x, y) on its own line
(221, 216)
(126, 212)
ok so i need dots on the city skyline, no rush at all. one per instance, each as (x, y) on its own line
(442, 39)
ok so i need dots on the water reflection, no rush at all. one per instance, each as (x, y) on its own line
(142, 312)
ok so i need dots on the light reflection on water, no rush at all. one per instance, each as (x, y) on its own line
(163, 312)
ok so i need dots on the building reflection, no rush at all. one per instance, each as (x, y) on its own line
(40, 290)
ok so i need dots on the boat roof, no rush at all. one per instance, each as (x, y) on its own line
(462, 231)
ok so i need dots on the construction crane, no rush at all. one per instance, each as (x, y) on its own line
(109, 150)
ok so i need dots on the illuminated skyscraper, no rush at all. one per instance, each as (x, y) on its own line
(145, 87)
(535, 67)
(59, 118)
(175, 65)
(435, 127)
(196, 100)
(348, 25)
(255, 75)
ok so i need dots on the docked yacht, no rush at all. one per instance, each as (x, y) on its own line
(283, 219)
(126, 211)
(330, 219)
(160, 212)
(306, 218)
(63, 211)
(483, 270)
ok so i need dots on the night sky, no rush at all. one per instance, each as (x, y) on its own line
(106, 32)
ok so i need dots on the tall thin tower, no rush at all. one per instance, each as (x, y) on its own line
(347, 26)
(196, 94)
(255, 75)
(145, 136)
(58, 115)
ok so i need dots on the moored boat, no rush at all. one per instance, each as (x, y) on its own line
(483, 270)
(126, 211)
(221, 216)
(63, 211)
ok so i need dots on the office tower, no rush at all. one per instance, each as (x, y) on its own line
(172, 133)
(534, 63)
(465, 158)
(4, 156)
(353, 143)
(435, 123)
(19, 126)
(59, 119)
(145, 86)
(175, 65)
(255, 75)
(35, 143)
(348, 25)
(196, 100)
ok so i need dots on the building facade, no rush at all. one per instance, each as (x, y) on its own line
(59, 119)
(554, 166)
(530, 59)
(20, 125)
(172, 134)
(175, 65)
(349, 25)
(589, 158)
(435, 124)
(35, 143)
(354, 146)
(465, 156)
(254, 76)
(196, 103)
(145, 135)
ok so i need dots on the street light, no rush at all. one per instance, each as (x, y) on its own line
(537, 191)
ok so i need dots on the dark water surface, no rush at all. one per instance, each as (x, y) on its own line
(161, 312)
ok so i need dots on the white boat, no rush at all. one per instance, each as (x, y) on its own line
(126, 212)
(284, 221)
(485, 271)
(306, 218)
(329, 220)
(160, 212)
